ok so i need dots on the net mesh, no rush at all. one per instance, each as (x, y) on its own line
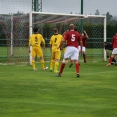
(93, 26)
(16, 30)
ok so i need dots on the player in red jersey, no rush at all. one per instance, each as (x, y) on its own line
(84, 39)
(114, 52)
(73, 39)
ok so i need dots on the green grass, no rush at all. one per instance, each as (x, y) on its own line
(25, 93)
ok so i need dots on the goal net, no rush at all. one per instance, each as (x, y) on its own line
(94, 25)
(16, 30)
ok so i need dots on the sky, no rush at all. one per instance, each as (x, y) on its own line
(61, 6)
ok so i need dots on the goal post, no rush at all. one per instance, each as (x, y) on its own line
(30, 33)
(95, 25)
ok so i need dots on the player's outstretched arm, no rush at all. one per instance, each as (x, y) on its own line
(86, 35)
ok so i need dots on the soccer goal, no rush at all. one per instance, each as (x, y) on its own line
(15, 31)
(95, 26)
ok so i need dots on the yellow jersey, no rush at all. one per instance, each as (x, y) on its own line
(36, 40)
(55, 42)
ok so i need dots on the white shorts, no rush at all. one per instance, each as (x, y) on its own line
(83, 48)
(72, 53)
(114, 51)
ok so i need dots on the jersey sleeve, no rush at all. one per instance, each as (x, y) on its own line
(65, 37)
(42, 39)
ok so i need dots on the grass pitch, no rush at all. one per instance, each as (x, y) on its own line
(27, 93)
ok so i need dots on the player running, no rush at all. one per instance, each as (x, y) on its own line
(114, 52)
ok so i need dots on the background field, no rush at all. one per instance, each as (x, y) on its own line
(25, 93)
(21, 55)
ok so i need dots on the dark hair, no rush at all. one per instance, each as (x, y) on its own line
(35, 30)
(55, 30)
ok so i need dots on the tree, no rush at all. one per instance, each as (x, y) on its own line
(19, 13)
(108, 16)
(97, 12)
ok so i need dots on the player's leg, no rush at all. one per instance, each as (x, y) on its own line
(75, 57)
(52, 61)
(33, 58)
(113, 61)
(40, 54)
(84, 54)
(33, 64)
(108, 57)
(67, 54)
(110, 60)
(114, 52)
(77, 68)
(62, 67)
(57, 59)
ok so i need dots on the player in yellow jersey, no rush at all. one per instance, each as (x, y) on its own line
(35, 41)
(55, 52)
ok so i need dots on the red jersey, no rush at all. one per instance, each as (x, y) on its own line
(73, 38)
(114, 41)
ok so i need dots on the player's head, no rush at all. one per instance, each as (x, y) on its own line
(71, 26)
(35, 30)
(104, 44)
(55, 30)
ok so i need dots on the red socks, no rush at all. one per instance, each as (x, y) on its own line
(62, 67)
(77, 68)
(110, 60)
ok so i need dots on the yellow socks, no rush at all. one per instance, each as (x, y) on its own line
(33, 64)
(51, 64)
(42, 64)
(56, 66)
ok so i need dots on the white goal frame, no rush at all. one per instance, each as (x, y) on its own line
(63, 14)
